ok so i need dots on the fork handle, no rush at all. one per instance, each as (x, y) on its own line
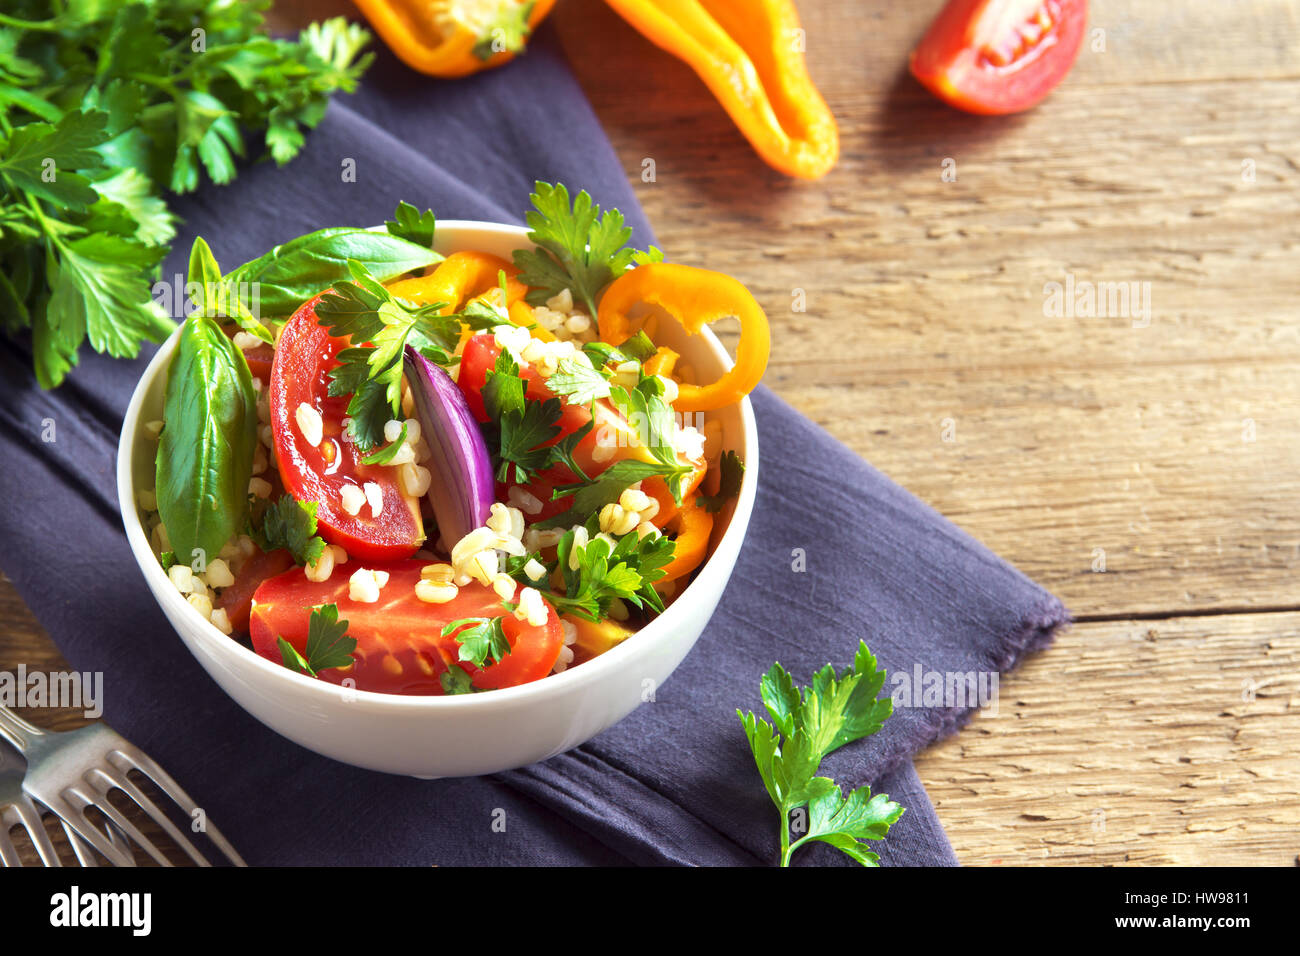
(16, 730)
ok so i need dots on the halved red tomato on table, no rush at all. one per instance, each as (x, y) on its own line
(304, 355)
(611, 430)
(400, 647)
(999, 56)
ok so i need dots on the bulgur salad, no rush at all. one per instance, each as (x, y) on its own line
(444, 474)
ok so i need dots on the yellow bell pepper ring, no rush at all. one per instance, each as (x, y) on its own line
(692, 525)
(695, 298)
(450, 39)
(460, 277)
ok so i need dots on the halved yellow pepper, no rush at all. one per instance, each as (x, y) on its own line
(750, 54)
(695, 298)
(412, 30)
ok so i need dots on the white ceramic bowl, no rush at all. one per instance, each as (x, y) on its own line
(462, 735)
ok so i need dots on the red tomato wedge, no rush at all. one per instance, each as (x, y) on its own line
(999, 56)
(611, 429)
(304, 356)
(400, 647)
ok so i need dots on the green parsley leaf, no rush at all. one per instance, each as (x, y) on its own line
(590, 497)
(43, 159)
(328, 643)
(654, 422)
(626, 572)
(562, 450)
(386, 455)
(454, 680)
(520, 453)
(847, 824)
(482, 640)
(810, 723)
(639, 348)
(290, 524)
(517, 426)
(579, 248)
(411, 224)
(577, 381)
(731, 472)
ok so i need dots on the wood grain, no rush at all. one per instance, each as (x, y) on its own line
(1134, 742)
(1158, 730)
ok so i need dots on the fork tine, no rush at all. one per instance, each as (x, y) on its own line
(8, 852)
(104, 782)
(31, 820)
(75, 817)
(85, 855)
(120, 780)
(135, 758)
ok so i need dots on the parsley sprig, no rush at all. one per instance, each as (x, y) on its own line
(518, 428)
(291, 524)
(807, 724)
(328, 643)
(625, 572)
(482, 640)
(380, 325)
(579, 247)
(652, 417)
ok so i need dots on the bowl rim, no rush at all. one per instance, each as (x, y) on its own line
(221, 645)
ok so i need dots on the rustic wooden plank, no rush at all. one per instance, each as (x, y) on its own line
(1134, 742)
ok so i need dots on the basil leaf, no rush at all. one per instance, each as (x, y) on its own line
(205, 452)
(293, 272)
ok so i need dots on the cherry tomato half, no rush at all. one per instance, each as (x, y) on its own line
(999, 56)
(400, 647)
(304, 356)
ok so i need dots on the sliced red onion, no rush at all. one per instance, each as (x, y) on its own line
(462, 489)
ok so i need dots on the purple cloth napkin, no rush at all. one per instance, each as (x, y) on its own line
(672, 783)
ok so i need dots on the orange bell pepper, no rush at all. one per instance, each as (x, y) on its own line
(695, 298)
(460, 277)
(426, 36)
(662, 362)
(750, 55)
(693, 525)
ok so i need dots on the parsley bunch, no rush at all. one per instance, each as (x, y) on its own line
(810, 723)
(104, 105)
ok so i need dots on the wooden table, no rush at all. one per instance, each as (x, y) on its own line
(1147, 472)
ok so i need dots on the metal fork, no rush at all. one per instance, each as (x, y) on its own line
(18, 808)
(71, 771)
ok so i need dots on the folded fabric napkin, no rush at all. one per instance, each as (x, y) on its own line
(672, 783)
